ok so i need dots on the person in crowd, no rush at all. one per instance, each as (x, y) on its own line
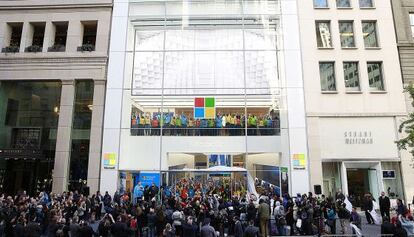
(251, 230)
(368, 207)
(344, 215)
(387, 228)
(355, 219)
(264, 216)
(207, 230)
(400, 231)
(384, 204)
(407, 222)
(401, 208)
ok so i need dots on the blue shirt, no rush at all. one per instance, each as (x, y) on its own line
(167, 118)
(218, 122)
(183, 120)
(138, 191)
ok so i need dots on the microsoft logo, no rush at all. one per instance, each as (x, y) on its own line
(204, 108)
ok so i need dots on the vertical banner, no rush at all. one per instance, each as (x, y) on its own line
(284, 180)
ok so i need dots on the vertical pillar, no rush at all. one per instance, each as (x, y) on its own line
(27, 36)
(49, 38)
(63, 138)
(95, 142)
(344, 179)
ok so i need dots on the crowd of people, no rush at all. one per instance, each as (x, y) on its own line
(211, 214)
(231, 124)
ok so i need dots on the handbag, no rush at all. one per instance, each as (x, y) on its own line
(299, 223)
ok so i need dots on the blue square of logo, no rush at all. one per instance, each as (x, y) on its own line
(198, 112)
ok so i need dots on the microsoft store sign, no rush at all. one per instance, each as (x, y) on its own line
(358, 138)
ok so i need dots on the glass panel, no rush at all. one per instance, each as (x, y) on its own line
(146, 115)
(370, 34)
(320, 3)
(327, 74)
(366, 3)
(261, 69)
(323, 34)
(343, 3)
(148, 73)
(149, 40)
(203, 72)
(346, 31)
(375, 77)
(260, 39)
(351, 76)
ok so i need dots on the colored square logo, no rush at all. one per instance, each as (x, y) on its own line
(210, 113)
(109, 159)
(199, 102)
(199, 112)
(210, 102)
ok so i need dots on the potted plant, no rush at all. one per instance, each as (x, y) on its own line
(57, 48)
(34, 49)
(11, 49)
(86, 47)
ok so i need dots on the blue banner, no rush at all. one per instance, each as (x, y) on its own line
(147, 179)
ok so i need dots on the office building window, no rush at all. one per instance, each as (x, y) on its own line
(366, 3)
(412, 23)
(89, 36)
(346, 31)
(351, 76)
(323, 34)
(369, 30)
(375, 76)
(13, 36)
(343, 3)
(327, 74)
(320, 3)
(61, 33)
(38, 30)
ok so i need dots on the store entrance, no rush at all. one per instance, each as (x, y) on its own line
(360, 182)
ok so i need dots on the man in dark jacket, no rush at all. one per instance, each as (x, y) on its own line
(251, 230)
(384, 203)
(207, 230)
(238, 227)
(387, 228)
(189, 228)
(368, 206)
(119, 228)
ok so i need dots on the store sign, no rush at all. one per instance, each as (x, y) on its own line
(109, 160)
(299, 161)
(358, 137)
(204, 108)
(147, 178)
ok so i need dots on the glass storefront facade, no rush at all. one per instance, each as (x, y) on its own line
(29, 112)
(203, 82)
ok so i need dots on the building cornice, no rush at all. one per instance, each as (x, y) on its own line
(347, 115)
(58, 6)
(51, 60)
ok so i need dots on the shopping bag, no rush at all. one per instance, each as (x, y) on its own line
(376, 217)
(299, 223)
(375, 205)
(287, 230)
(348, 204)
(357, 230)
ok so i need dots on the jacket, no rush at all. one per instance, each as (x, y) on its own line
(384, 203)
(264, 211)
(208, 231)
(251, 231)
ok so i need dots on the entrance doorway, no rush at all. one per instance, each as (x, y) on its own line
(360, 182)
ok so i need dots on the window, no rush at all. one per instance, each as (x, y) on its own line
(346, 31)
(320, 3)
(412, 23)
(343, 3)
(369, 31)
(61, 33)
(351, 76)
(327, 74)
(14, 36)
(38, 29)
(323, 34)
(366, 3)
(376, 81)
(89, 36)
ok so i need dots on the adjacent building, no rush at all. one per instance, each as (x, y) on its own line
(52, 87)
(354, 98)
(404, 28)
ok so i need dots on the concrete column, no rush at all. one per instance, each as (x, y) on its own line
(49, 38)
(344, 179)
(63, 139)
(27, 36)
(74, 39)
(95, 143)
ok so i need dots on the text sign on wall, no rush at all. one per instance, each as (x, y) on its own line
(358, 137)
(109, 160)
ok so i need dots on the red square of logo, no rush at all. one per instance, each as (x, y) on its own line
(199, 102)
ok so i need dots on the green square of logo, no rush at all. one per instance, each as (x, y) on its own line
(210, 102)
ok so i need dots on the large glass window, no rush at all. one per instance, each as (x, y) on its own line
(343, 3)
(323, 34)
(366, 3)
(351, 76)
(320, 3)
(207, 77)
(346, 31)
(375, 76)
(369, 29)
(28, 127)
(327, 74)
(412, 23)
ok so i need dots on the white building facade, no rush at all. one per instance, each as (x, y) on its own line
(354, 98)
(200, 87)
